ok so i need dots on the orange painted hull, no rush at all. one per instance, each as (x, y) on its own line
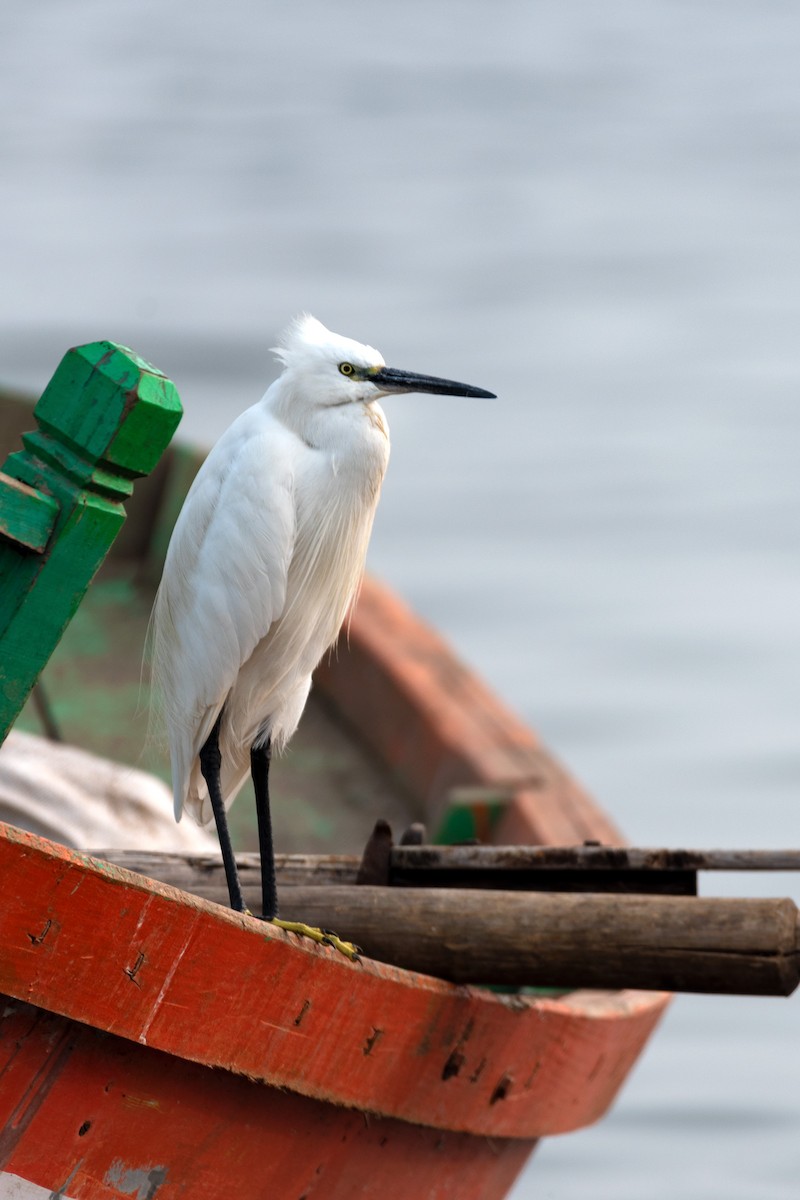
(156, 1045)
(103, 1117)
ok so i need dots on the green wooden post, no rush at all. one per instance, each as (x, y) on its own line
(105, 418)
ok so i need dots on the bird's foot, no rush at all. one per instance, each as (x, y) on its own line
(323, 937)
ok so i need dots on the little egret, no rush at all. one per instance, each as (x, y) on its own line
(264, 561)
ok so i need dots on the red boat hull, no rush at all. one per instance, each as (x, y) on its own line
(90, 1117)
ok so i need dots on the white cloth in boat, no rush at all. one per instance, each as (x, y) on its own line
(86, 802)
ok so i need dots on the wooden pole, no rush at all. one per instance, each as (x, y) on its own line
(669, 943)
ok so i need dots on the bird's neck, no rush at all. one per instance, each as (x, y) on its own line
(335, 428)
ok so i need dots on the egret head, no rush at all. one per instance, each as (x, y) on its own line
(328, 369)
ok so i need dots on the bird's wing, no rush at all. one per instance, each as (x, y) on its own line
(224, 581)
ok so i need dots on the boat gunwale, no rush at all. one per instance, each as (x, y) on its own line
(365, 1035)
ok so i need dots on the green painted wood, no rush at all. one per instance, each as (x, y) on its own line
(27, 516)
(105, 418)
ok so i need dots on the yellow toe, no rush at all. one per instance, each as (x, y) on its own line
(322, 936)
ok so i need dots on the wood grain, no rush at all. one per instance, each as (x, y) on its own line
(673, 943)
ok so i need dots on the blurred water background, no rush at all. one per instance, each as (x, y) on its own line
(593, 210)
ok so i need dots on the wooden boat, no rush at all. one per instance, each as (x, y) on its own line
(153, 1044)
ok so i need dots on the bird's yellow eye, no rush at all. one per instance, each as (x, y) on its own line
(347, 368)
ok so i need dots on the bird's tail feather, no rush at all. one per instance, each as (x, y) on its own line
(194, 796)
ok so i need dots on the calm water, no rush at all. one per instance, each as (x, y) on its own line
(591, 209)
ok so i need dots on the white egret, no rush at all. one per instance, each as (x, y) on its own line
(264, 561)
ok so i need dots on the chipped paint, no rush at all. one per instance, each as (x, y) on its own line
(14, 1187)
(476, 1074)
(372, 1040)
(38, 938)
(501, 1091)
(60, 1193)
(159, 1000)
(303, 1011)
(138, 1101)
(453, 1065)
(133, 971)
(142, 1183)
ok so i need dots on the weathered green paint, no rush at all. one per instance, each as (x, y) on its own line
(104, 418)
(27, 516)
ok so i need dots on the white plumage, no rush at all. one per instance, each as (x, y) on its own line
(264, 561)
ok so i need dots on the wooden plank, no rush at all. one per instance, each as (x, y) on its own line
(588, 857)
(166, 970)
(104, 418)
(204, 875)
(493, 867)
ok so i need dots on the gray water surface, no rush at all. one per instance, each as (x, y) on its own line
(593, 210)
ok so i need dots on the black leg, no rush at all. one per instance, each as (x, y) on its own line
(260, 758)
(210, 763)
(259, 768)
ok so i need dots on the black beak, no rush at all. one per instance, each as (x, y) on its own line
(391, 380)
